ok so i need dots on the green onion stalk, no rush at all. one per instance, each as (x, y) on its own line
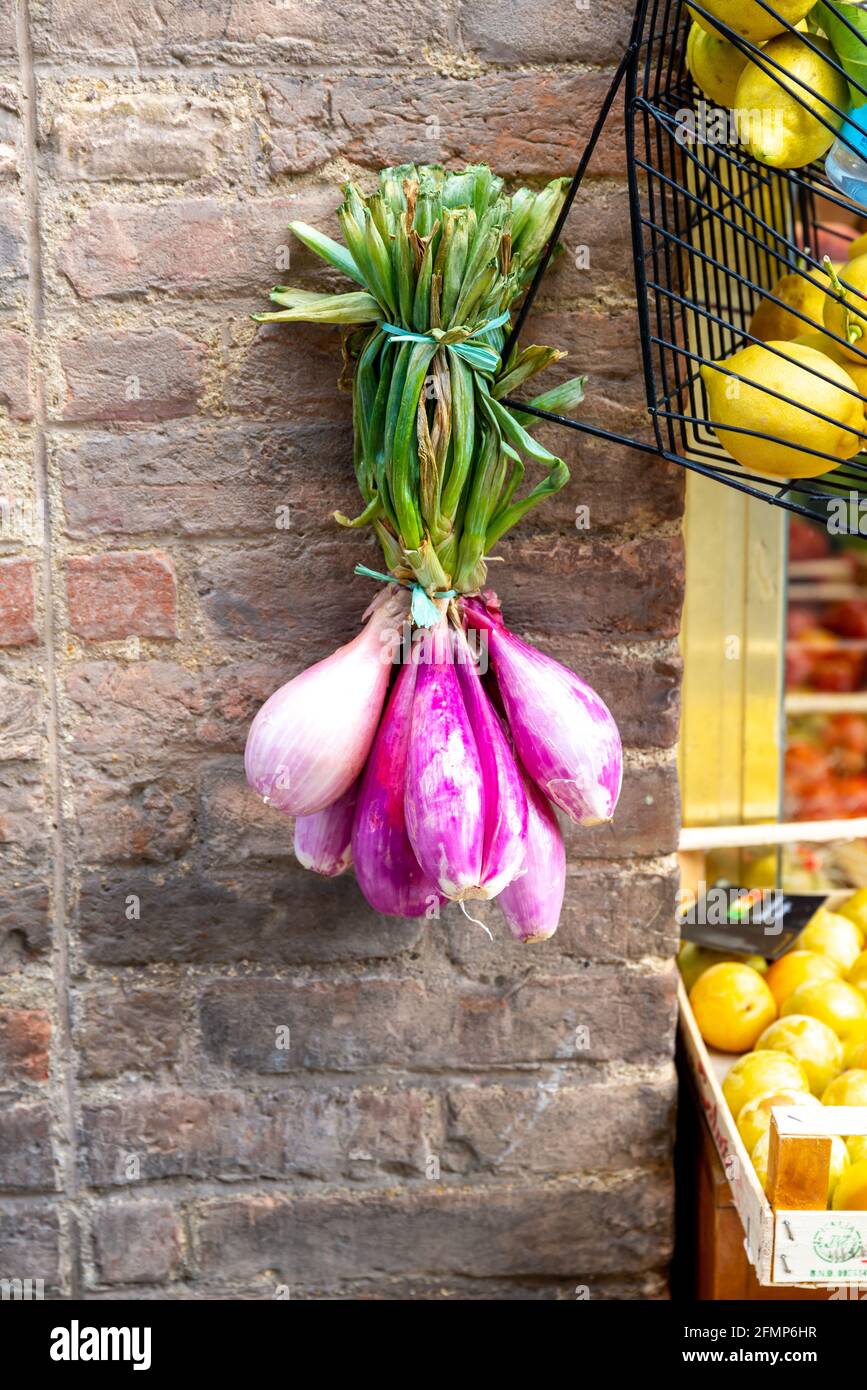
(438, 260)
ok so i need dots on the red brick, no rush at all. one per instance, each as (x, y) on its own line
(518, 127)
(26, 1159)
(136, 1242)
(154, 374)
(640, 683)
(20, 719)
(290, 370)
(124, 27)
(646, 821)
(127, 1028)
(121, 594)
(285, 916)
(598, 226)
(559, 1228)
(25, 1037)
(11, 126)
(15, 375)
(132, 820)
(601, 343)
(173, 31)
(235, 822)
(167, 137)
(25, 923)
(231, 696)
(303, 599)
(13, 252)
(325, 1132)
(471, 1027)
(30, 1242)
(123, 706)
(566, 585)
(187, 245)
(205, 477)
(8, 36)
(611, 913)
(566, 33)
(17, 603)
(554, 1127)
(22, 810)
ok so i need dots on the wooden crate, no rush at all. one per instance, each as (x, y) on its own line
(786, 1248)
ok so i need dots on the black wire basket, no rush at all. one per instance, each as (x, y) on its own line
(714, 230)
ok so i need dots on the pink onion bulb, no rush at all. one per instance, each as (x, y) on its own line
(503, 795)
(309, 741)
(445, 814)
(388, 873)
(531, 903)
(564, 734)
(323, 841)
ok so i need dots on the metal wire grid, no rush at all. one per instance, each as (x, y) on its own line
(713, 231)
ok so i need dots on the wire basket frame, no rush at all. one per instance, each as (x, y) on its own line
(713, 230)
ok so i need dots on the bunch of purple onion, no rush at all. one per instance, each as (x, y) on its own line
(441, 785)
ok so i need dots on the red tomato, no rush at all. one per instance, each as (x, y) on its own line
(799, 619)
(846, 731)
(799, 668)
(819, 802)
(839, 672)
(851, 795)
(807, 540)
(806, 766)
(847, 618)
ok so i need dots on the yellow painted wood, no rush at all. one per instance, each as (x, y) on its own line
(732, 632)
(732, 642)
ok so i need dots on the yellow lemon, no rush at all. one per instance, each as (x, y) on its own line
(830, 935)
(732, 1005)
(850, 1193)
(797, 968)
(855, 908)
(848, 1089)
(776, 117)
(811, 1042)
(840, 1159)
(846, 314)
(822, 342)
(804, 294)
(715, 64)
(755, 1118)
(749, 19)
(744, 394)
(833, 1001)
(760, 1072)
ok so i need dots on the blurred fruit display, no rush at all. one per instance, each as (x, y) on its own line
(795, 1033)
(826, 676)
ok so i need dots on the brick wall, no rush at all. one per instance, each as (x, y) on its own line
(436, 1126)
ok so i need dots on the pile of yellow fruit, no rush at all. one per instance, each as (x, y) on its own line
(817, 375)
(778, 94)
(802, 1025)
(803, 389)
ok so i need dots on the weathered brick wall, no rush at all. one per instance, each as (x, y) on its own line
(155, 931)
